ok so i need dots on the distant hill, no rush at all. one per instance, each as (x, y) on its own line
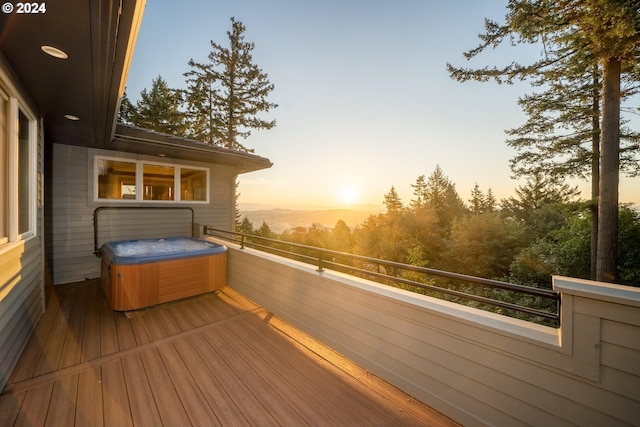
(281, 219)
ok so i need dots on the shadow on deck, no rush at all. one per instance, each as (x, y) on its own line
(216, 359)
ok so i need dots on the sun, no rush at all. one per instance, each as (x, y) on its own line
(348, 194)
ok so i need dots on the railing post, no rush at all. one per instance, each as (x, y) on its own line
(242, 241)
(320, 259)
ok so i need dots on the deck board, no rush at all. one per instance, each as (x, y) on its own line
(33, 351)
(10, 404)
(124, 332)
(108, 331)
(163, 390)
(35, 406)
(91, 342)
(62, 409)
(214, 359)
(144, 411)
(50, 354)
(114, 396)
(71, 352)
(89, 409)
(187, 387)
(225, 410)
(233, 354)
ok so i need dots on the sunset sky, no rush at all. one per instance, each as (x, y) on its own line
(365, 101)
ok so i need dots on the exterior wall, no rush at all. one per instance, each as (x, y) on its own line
(71, 238)
(21, 297)
(476, 367)
(21, 276)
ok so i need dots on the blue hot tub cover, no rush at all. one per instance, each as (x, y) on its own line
(155, 250)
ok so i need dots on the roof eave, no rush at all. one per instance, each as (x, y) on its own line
(137, 140)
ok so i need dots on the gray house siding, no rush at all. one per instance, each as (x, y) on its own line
(21, 297)
(72, 207)
(21, 277)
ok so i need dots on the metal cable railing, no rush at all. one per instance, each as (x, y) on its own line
(386, 272)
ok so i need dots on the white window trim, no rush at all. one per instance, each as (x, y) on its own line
(95, 180)
(12, 169)
(4, 171)
(10, 203)
(177, 167)
(33, 164)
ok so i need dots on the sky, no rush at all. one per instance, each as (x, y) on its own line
(364, 98)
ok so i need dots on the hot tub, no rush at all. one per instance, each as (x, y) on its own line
(141, 273)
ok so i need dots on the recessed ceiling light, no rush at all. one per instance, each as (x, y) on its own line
(71, 117)
(54, 51)
(162, 155)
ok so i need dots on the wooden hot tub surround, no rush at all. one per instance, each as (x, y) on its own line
(137, 280)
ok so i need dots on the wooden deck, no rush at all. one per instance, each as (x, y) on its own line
(216, 359)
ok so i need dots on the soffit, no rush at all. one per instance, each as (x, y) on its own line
(98, 37)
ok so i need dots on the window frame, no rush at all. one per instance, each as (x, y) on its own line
(10, 169)
(4, 171)
(139, 180)
(32, 164)
(176, 185)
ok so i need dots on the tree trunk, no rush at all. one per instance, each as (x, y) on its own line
(595, 169)
(606, 265)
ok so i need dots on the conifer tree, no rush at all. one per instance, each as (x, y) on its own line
(477, 201)
(201, 118)
(490, 202)
(419, 190)
(481, 203)
(159, 109)
(441, 195)
(264, 230)
(539, 190)
(540, 204)
(126, 109)
(576, 35)
(392, 201)
(341, 237)
(227, 95)
(245, 226)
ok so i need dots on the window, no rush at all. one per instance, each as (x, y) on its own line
(193, 184)
(158, 182)
(17, 170)
(116, 179)
(143, 181)
(25, 174)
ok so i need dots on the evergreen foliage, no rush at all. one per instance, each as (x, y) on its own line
(481, 203)
(264, 231)
(420, 193)
(392, 202)
(245, 226)
(441, 195)
(227, 94)
(590, 46)
(541, 232)
(202, 119)
(157, 109)
(483, 245)
(224, 100)
(126, 109)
